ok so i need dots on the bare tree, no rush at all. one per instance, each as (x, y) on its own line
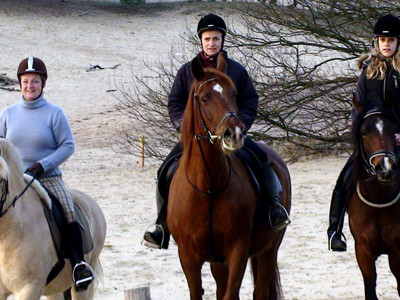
(302, 59)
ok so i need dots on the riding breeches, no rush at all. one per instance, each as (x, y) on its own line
(55, 185)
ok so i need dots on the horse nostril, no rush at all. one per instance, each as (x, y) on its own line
(228, 133)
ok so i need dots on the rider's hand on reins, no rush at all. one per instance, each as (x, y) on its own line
(36, 170)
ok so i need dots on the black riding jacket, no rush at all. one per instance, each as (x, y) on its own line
(247, 98)
(381, 91)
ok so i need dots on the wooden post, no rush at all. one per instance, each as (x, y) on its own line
(142, 293)
(141, 151)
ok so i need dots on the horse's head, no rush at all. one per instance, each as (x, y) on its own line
(212, 111)
(374, 139)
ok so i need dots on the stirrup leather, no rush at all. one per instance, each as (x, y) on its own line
(331, 238)
(90, 278)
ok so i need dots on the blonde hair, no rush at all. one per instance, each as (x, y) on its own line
(377, 64)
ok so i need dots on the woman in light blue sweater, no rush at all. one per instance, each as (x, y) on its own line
(41, 132)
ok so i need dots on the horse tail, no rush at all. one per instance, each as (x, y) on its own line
(67, 294)
(274, 286)
(98, 271)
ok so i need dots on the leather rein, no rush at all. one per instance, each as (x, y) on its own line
(4, 194)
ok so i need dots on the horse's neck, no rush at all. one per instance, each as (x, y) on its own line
(203, 160)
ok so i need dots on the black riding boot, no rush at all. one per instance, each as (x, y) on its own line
(159, 237)
(82, 272)
(336, 220)
(278, 215)
(344, 186)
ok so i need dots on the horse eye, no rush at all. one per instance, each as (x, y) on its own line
(363, 132)
(203, 99)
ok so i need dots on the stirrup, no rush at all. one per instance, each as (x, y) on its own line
(283, 225)
(151, 245)
(331, 238)
(80, 281)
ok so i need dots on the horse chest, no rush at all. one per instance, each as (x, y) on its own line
(377, 226)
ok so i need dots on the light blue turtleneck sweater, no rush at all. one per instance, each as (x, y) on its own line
(41, 132)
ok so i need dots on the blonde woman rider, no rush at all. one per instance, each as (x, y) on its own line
(379, 82)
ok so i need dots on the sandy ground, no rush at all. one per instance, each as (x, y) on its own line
(70, 36)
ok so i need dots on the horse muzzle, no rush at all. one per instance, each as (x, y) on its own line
(384, 165)
(233, 138)
(385, 172)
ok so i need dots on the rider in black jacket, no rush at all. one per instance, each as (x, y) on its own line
(379, 82)
(247, 98)
(211, 31)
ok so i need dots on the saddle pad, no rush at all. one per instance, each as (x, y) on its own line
(56, 219)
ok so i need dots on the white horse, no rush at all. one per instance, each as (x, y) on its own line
(27, 252)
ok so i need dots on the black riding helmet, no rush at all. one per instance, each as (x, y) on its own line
(387, 25)
(211, 22)
(32, 65)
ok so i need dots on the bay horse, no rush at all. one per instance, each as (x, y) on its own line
(27, 251)
(374, 209)
(212, 202)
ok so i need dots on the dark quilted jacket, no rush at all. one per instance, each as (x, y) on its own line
(247, 98)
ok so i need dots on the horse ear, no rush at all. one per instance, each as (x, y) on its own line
(197, 69)
(357, 103)
(221, 62)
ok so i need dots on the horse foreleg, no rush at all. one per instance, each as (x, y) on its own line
(394, 264)
(3, 292)
(59, 296)
(191, 266)
(29, 292)
(220, 273)
(237, 262)
(366, 262)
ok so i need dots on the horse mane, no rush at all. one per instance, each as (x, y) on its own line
(11, 155)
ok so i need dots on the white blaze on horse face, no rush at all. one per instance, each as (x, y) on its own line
(386, 163)
(379, 125)
(238, 132)
(218, 88)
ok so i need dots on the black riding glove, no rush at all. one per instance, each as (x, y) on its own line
(36, 170)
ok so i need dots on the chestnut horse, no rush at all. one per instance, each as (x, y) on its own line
(374, 209)
(212, 201)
